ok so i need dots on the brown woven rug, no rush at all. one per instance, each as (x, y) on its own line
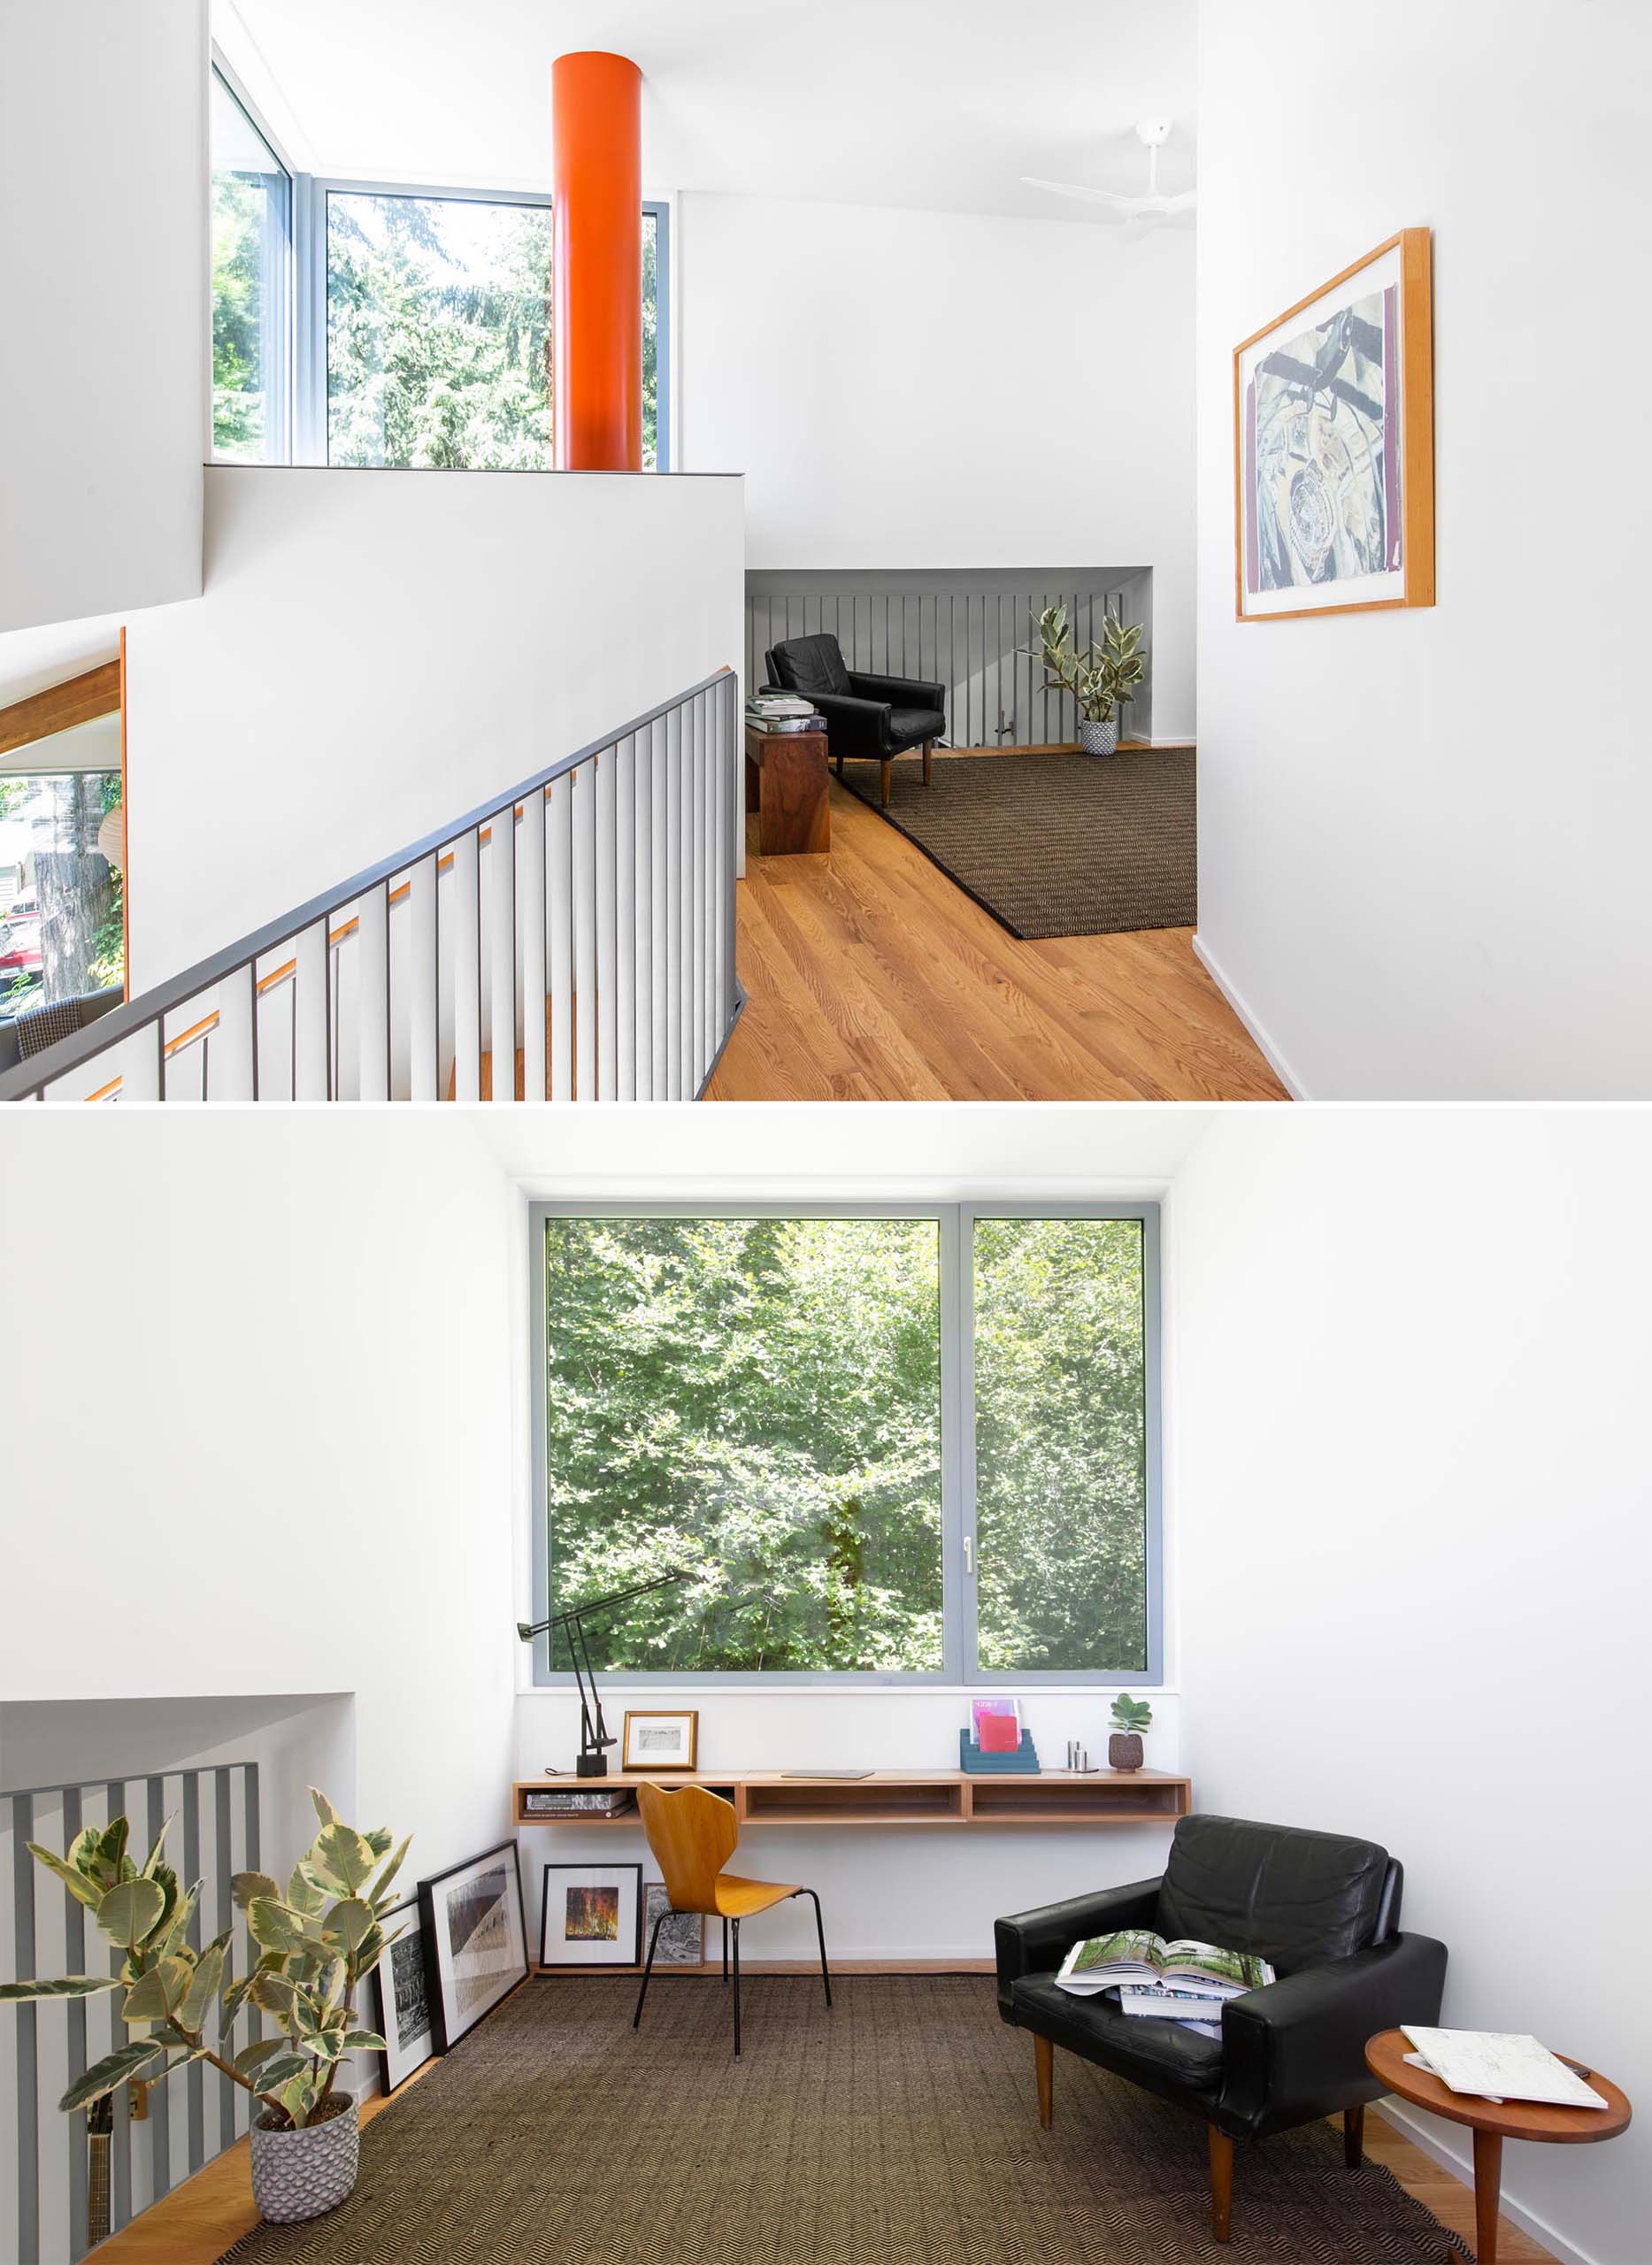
(1055, 845)
(899, 2129)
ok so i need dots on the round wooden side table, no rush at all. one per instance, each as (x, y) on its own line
(1492, 2122)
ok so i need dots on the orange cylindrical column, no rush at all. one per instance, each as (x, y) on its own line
(597, 123)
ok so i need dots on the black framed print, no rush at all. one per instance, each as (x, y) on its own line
(591, 1916)
(475, 1941)
(404, 1997)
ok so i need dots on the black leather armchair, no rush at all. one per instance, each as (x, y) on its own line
(1322, 1909)
(870, 718)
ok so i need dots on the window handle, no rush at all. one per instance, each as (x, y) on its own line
(968, 1556)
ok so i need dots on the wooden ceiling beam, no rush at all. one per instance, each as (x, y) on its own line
(60, 707)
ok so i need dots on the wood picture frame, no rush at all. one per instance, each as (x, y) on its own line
(649, 1749)
(587, 1908)
(475, 1940)
(1353, 487)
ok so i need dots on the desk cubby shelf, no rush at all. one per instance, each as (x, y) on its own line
(943, 1799)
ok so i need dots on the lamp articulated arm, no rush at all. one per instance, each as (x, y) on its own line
(594, 1738)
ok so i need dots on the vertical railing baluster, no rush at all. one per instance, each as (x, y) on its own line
(559, 933)
(160, 2101)
(225, 1865)
(606, 767)
(502, 951)
(423, 1014)
(465, 915)
(673, 905)
(372, 992)
(696, 874)
(733, 819)
(531, 936)
(626, 920)
(74, 1963)
(643, 899)
(659, 924)
(311, 992)
(232, 1071)
(194, 2076)
(121, 2135)
(27, 2044)
(584, 783)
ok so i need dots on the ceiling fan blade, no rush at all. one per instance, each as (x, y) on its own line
(1085, 195)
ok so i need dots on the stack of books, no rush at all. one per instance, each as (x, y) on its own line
(782, 711)
(1185, 1982)
(612, 1800)
(995, 1740)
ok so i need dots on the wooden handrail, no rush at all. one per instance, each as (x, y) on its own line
(188, 1038)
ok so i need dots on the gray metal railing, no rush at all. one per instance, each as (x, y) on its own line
(961, 629)
(594, 963)
(73, 2186)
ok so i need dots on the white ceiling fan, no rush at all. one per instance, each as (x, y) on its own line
(1152, 133)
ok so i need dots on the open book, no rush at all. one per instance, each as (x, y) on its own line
(1146, 1963)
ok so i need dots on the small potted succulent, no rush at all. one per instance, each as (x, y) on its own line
(1100, 681)
(1131, 1717)
(311, 1946)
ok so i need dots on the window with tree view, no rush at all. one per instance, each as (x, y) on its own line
(439, 333)
(897, 1446)
(61, 934)
(251, 215)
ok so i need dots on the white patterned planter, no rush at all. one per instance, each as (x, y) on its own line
(1098, 739)
(301, 2174)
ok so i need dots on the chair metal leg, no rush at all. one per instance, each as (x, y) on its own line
(726, 1953)
(884, 796)
(736, 1927)
(648, 1968)
(825, 1971)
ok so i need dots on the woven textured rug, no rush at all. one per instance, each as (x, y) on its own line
(1055, 845)
(901, 2127)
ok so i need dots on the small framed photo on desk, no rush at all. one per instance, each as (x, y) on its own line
(661, 1739)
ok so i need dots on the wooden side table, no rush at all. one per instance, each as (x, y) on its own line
(786, 784)
(1492, 2122)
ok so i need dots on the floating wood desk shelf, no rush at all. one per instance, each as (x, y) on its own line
(946, 1797)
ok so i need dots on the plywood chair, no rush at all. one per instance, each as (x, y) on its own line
(693, 1834)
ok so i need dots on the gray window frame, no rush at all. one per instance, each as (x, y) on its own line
(280, 285)
(960, 1665)
(310, 192)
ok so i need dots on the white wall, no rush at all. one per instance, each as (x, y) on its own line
(941, 390)
(1414, 1487)
(1422, 835)
(268, 1358)
(377, 653)
(103, 268)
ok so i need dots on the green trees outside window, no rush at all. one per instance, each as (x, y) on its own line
(760, 1399)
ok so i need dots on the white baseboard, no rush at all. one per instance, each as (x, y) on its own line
(1462, 2169)
(1276, 1061)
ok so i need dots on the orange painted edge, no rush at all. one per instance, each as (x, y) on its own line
(1417, 420)
(126, 837)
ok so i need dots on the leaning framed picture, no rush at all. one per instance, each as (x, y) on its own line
(475, 1942)
(591, 1916)
(1333, 444)
(403, 1999)
(681, 1940)
(659, 1740)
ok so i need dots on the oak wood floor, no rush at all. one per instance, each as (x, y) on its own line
(870, 976)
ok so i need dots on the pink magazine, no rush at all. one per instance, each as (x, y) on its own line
(997, 1724)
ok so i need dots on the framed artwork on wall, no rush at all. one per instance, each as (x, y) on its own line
(591, 1916)
(658, 1739)
(1333, 444)
(682, 1933)
(475, 1942)
(403, 1998)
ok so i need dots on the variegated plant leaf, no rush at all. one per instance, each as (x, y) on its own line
(154, 1857)
(379, 1840)
(378, 1894)
(361, 2040)
(273, 1927)
(304, 1891)
(114, 2068)
(63, 1985)
(202, 1984)
(111, 1845)
(154, 1995)
(325, 1811)
(253, 2056)
(342, 1854)
(83, 1890)
(348, 1925)
(244, 1886)
(127, 1913)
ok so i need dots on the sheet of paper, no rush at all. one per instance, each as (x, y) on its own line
(1495, 2066)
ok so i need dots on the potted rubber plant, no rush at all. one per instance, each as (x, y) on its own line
(311, 1944)
(1131, 1717)
(1100, 680)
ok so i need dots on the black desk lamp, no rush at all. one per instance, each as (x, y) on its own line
(594, 1738)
